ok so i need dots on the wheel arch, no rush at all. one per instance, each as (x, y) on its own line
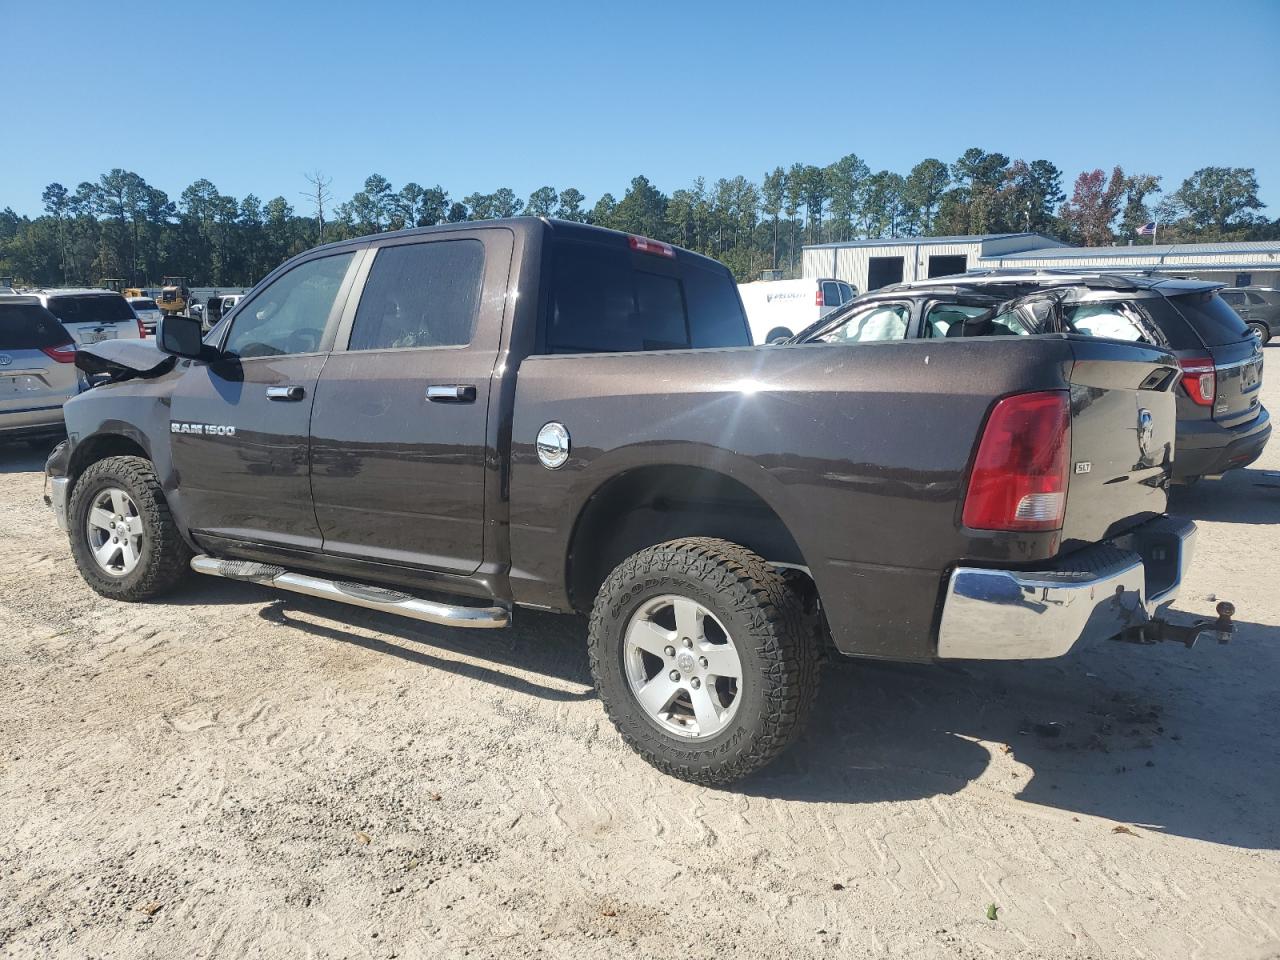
(99, 446)
(651, 504)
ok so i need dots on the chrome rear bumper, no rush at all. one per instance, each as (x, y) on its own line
(1094, 594)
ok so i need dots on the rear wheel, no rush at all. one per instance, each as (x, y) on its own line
(123, 538)
(778, 334)
(703, 658)
(1262, 332)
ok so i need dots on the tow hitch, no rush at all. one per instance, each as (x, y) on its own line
(1157, 629)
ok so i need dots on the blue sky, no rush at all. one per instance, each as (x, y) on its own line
(478, 95)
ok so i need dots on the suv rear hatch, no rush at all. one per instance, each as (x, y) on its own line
(36, 360)
(93, 317)
(1220, 356)
(1123, 427)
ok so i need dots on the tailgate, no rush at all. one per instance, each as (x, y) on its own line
(1123, 427)
(1239, 381)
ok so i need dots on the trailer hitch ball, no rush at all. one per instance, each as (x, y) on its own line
(1224, 627)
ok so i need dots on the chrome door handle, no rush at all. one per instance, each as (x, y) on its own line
(451, 393)
(291, 392)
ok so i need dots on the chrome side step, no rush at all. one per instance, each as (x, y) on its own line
(356, 594)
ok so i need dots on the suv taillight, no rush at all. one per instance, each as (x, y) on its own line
(818, 299)
(1199, 379)
(142, 331)
(63, 352)
(1019, 478)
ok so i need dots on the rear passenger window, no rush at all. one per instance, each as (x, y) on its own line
(1110, 320)
(420, 295)
(608, 300)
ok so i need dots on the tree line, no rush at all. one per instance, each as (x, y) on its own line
(121, 226)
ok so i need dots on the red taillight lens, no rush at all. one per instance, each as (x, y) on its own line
(142, 331)
(818, 300)
(1200, 379)
(63, 352)
(1019, 478)
(655, 247)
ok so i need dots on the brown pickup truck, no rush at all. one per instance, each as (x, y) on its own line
(455, 422)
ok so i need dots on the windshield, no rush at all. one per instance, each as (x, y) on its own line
(145, 305)
(91, 308)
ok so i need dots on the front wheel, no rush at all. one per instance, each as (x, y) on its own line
(704, 658)
(123, 537)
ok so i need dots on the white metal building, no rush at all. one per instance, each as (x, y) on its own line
(870, 264)
(1239, 264)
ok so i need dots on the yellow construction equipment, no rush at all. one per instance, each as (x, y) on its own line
(174, 297)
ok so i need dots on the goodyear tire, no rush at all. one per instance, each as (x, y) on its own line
(704, 659)
(123, 538)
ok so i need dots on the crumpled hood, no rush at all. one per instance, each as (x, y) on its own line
(124, 359)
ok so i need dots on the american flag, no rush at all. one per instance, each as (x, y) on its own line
(1147, 229)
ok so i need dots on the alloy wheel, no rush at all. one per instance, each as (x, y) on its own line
(114, 531)
(682, 666)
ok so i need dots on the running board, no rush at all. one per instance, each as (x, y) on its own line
(356, 594)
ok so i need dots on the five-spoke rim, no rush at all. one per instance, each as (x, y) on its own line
(683, 666)
(114, 529)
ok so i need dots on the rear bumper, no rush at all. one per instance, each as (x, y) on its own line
(1205, 448)
(1090, 595)
(43, 420)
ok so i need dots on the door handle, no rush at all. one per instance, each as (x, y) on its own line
(291, 392)
(451, 393)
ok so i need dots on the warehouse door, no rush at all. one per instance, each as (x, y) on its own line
(946, 266)
(882, 271)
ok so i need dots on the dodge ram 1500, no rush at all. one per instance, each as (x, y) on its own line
(453, 422)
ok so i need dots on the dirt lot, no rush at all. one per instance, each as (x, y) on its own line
(241, 773)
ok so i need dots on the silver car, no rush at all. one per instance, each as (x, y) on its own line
(92, 315)
(147, 311)
(37, 369)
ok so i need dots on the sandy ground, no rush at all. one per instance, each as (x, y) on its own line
(242, 773)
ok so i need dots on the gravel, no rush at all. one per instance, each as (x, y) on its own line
(241, 773)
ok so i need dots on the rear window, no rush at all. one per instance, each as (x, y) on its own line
(1192, 320)
(145, 305)
(608, 300)
(29, 326)
(91, 309)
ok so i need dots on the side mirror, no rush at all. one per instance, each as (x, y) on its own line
(182, 337)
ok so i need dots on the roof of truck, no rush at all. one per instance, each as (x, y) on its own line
(583, 231)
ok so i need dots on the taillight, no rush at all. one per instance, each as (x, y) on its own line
(1200, 379)
(142, 331)
(818, 300)
(655, 247)
(63, 352)
(1019, 478)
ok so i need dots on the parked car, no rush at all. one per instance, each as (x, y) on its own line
(37, 369)
(1259, 307)
(217, 306)
(384, 418)
(1222, 424)
(778, 309)
(147, 312)
(92, 315)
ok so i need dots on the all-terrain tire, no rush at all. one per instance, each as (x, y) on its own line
(769, 627)
(164, 559)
